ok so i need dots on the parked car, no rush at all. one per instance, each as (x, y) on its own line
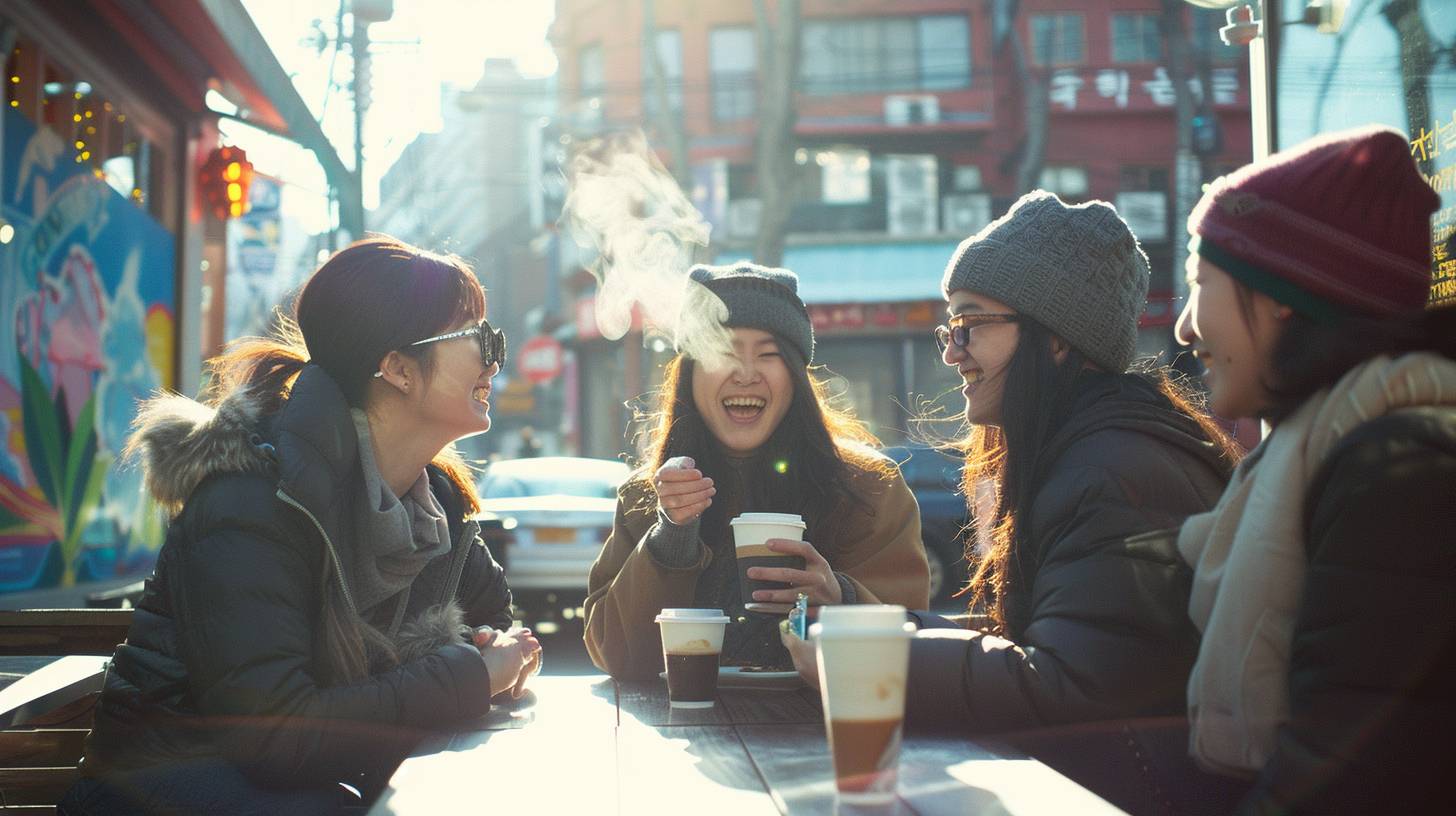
(558, 511)
(934, 477)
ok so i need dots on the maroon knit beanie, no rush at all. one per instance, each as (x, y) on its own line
(1340, 224)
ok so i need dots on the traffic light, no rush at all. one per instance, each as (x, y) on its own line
(225, 178)
(1207, 137)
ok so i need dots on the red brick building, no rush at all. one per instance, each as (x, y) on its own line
(912, 124)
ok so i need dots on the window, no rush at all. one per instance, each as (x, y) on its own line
(1056, 39)
(1065, 181)
(669, 56)
(845, 175)
(128, 156)
(734, 66)
(1135, 38)
(590, 72)
(886, 54)
(1206, 24)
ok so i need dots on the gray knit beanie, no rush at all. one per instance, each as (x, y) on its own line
(1078, 270)
(761, 297)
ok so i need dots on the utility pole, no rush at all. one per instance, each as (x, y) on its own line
(359, 47)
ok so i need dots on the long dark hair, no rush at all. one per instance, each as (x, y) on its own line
(1034, 404)
(803, 467)
(1309, 355)
(375, 296)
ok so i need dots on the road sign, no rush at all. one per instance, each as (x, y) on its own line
(541, 359)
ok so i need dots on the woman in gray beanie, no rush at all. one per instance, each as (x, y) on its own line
(754, 436)
(1078, 622)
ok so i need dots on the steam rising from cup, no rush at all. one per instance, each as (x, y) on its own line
(623, 205)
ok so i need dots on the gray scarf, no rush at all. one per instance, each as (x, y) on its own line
(394, 538)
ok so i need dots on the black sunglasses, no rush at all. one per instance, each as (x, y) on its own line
(492, 342)
(958, 331)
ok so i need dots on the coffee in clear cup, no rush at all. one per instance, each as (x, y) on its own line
(751, 531)
(863, 651)
(692, 640)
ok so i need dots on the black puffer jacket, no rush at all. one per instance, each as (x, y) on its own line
(224, 657)
(1097, 625)
(1374, 648)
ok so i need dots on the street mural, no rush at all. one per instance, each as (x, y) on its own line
(87, 312)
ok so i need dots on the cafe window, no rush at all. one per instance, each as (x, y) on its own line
(733, 63)
(1135, 38)
(669, 56)
(94, 130)
(882, 54)
(1388, 64)
(1064, 180)
(1057, 39)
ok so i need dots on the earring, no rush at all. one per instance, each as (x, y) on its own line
(378, 374)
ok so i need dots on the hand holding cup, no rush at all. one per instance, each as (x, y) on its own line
(683, 492)
(816, 579)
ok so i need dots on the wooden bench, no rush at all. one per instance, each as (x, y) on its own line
(46, 715)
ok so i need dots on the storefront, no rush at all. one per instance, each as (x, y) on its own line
(110, 268)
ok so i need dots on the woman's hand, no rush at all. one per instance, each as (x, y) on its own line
(816, 579)
(802, 653)
(683, 492)
(511, 657)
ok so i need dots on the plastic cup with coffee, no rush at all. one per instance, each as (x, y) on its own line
(692, 640)
(863, 652)
(751, 532)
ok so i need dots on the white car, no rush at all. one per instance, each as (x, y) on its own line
(562, 507)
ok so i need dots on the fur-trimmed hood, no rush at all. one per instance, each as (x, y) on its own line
(178, 442)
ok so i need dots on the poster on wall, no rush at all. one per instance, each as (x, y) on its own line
(88, 305)
(1386, 63)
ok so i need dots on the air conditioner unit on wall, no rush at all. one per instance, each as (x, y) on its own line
(965, 213)
(911, 216)
(911, 175)
(902, 110)
(744, 217)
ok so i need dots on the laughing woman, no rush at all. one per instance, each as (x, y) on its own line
(1077, 622)
(1326, 576)
(753, 436)
(322, 596)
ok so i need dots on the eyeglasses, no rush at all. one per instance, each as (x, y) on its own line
(958, 330)
(492, 342)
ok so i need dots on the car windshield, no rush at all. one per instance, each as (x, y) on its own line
(514, 483)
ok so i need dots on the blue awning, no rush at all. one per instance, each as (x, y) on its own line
(865, 273)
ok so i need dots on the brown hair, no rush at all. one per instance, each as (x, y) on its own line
(1038, 394)
(371, 298)
(802, 468)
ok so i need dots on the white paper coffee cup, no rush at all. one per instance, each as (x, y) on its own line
(692, 640)
(751, 532)
(863, 651)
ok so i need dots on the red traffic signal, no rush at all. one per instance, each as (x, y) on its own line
(224, 179)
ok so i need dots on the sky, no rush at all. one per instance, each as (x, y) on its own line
(426, 46)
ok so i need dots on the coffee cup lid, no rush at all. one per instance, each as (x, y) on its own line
(692, 616)
(863, 620)
(768, 518)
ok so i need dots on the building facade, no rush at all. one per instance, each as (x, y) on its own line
(914, 119)
(473, 189)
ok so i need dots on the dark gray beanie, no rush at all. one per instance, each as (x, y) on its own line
(1078, 270)
(761, 297)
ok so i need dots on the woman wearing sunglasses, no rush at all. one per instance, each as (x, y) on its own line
(748, 434)
(322, 596)
(1072, 622)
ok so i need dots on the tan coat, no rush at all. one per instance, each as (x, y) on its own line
(879, 553)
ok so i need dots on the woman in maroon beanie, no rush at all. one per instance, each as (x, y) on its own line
(1325, 578)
